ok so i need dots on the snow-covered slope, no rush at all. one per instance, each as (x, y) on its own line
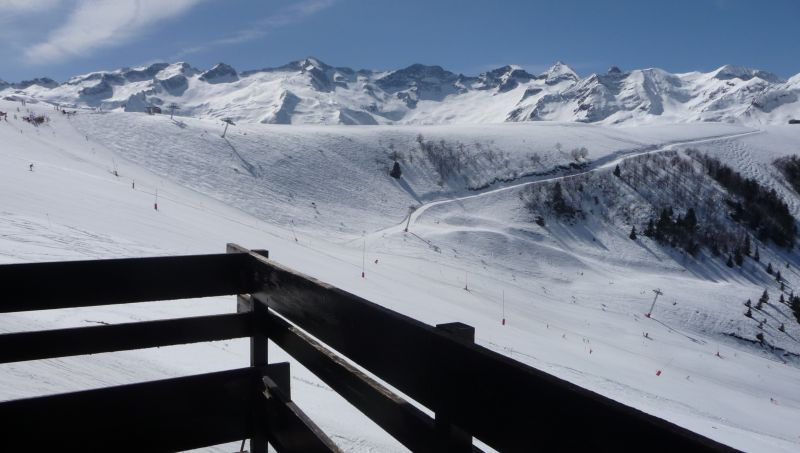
(324, 179)
(311, 92)
(574, 293)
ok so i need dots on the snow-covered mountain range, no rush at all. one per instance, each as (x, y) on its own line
(311, 92)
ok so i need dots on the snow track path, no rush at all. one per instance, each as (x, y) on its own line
(599, 164)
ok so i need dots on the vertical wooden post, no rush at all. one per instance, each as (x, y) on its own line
(280, 375)
(452, 437)
(258, 358)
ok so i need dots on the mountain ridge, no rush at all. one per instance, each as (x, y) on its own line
(319, 93)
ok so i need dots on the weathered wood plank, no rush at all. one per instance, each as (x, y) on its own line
(506, 404)
(160, 416)
(289, 430)
(40, 286)
(17, 347)
(409, 425)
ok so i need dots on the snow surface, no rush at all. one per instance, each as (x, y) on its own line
(574, 295)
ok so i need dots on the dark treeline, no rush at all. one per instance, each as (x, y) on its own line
(794, 303)
(790, 168)
(760, 209)
(678, 232)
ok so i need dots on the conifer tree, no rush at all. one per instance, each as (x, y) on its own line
(738, 258)
(690, 221)
(557, 201)
(757, 256)
(769, 268)
(617, 173)
(795, 305)
(729, 263)
(762, 300)
(650, 230)
(633, 233)
(778, 276)
(746, 250)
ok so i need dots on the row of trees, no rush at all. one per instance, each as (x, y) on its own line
(760, 209)
(790, 169)
(446, 159)
(678, 232)
(477, 164)
(792, 301)
(693, 213)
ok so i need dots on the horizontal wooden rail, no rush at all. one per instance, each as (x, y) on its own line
(288, 429)
(472, 390)
(41, 286)
(409, 425)
(159, 416)
(17, 347)
(506, 404)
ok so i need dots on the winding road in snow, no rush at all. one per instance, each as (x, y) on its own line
(604, 162)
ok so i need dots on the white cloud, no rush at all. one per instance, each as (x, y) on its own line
(296, 12)
(289, 15)
(98, 24)
(12, 10)
(26, 6)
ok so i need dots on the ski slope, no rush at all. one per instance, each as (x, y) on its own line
(573, 296)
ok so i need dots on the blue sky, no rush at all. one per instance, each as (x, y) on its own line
(61, 38)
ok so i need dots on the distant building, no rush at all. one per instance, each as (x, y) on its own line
(152, 110)
(794, 121)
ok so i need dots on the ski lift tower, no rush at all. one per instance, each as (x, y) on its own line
(172, 107)
(228, 122)
(658, 293)
(411, 210)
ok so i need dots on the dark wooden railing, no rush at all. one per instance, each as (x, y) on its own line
(472, 391)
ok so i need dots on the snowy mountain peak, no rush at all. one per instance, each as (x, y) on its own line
(416, 74)
(310, 63)
(505, 78)
(728, 72)
(44, 82)
(559, 68)
(220, 73)
(558, 73)
(421, 82)
(180, 68)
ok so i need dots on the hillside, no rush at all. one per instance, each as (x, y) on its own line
(309, 91)
(574, 290)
